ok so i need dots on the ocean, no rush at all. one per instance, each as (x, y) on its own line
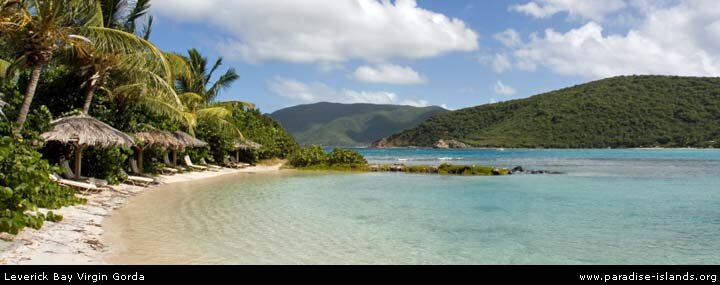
(633, 206)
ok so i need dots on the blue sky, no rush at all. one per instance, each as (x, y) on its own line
(437, 52)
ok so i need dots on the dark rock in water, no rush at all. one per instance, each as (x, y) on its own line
(517, 169)
(496, 171)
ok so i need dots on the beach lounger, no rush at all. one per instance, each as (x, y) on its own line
(169, 166)
(80, 186)
(68, 172)
(190, 164)
(235, 164)
(136, 180)
(211, 166)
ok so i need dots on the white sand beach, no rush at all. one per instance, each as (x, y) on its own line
(76, 239)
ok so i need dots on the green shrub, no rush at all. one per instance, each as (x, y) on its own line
(465, 169)
(308, 156)
(420, 169)
(105, 163)
(25, 185)
(346, 157)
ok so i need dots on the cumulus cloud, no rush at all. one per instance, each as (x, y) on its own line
(576, 9)
(319, 92)
(509, 38)
(678, 39)
(388, 73)
(313, 31)
(501, 63)
(502, 89)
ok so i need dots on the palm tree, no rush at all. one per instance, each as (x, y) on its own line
(198, 94)
(46, 27)
(124, 14)
(198, 80)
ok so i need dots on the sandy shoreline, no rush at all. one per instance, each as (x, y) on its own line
(76, 239)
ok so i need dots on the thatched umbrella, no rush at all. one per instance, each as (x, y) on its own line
(155, 138)
(83, 130)
(188, 140)
(245, 145)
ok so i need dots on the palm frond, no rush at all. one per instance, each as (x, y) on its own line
(112, 11)
(223, 82)
(4, 65)
(147, 29)
(235, 105)
(139, 10)
(108, 40)
(213, 113)
(215, 66)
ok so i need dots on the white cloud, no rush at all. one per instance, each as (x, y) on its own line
(388, 73)
(681, 39)
(576, 9)
(503, 89)
(509, 38)
(319, 92)
(313, 31)
(501, 63)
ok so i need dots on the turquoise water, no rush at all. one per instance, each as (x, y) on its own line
(610, 207)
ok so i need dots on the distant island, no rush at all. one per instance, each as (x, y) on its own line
(349, 125)
(618, 112)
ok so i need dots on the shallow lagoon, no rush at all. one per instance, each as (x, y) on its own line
(610, 207)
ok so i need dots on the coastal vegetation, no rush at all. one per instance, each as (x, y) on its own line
(314, 157)
(626, 111)
(349, 125)
(92, 60)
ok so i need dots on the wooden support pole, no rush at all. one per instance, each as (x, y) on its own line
(78, 161)
(140, 160)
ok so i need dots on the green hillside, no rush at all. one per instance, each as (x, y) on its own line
(627, 111)
(334, 124)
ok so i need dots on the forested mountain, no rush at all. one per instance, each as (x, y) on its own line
(334, 124)
(626, 111)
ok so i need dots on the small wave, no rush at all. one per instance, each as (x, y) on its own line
(449, 158)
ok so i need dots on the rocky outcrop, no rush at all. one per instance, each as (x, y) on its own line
(451, 144)
(381, 143)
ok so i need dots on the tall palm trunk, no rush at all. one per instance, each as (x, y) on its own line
(27, 101)
(88, 98)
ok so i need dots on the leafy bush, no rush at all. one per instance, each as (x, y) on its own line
(346, 157)
(25, 185)
(105, 163)
(314, 157)
(308, 156)
(464, 169)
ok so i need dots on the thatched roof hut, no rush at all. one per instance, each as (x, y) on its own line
(84, 130)
(188, 140)
(248, 145)
(158, 138)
